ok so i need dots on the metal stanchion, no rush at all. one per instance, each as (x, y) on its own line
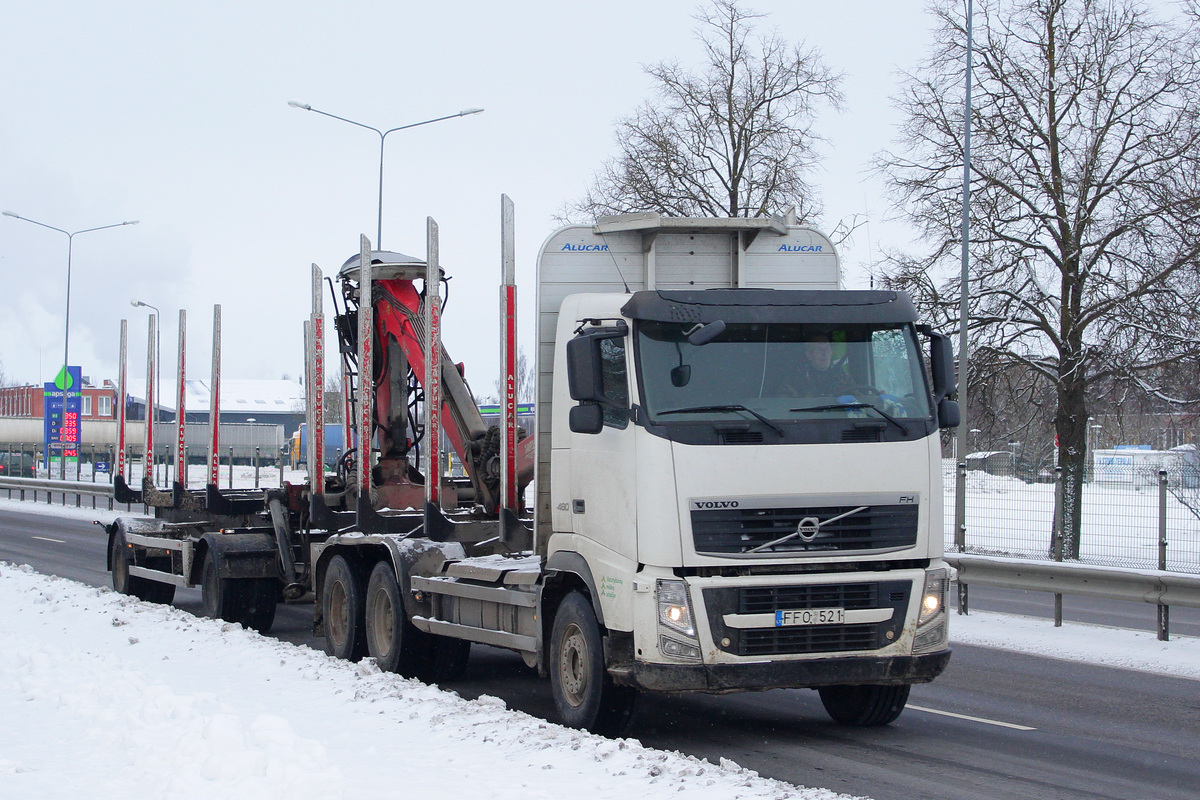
(1056, 539)
(1164, 612)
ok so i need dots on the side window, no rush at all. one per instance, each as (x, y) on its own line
(615, 382)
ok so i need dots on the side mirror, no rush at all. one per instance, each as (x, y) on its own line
(941, 362)
(586, 418)
(585, 373)
(584, 378)
(949, 415)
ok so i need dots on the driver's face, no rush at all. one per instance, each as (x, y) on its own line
(819, 353)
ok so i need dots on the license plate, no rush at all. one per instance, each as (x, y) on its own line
(810, 616)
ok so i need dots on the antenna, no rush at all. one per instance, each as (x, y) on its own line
(621, 275)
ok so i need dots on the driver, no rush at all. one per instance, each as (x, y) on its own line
(820, 375)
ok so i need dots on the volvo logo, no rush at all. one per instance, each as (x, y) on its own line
(808, 528)
(711, 504)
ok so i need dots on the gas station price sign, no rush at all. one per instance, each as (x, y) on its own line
(63, 406)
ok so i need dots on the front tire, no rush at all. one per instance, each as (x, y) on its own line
(342, 611)
(864, 706)
(583, 691)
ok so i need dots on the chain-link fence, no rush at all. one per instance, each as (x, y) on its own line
(1123, 521)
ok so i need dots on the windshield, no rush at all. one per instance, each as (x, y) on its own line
(784, 372)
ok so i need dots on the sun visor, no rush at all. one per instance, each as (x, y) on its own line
(771, 305)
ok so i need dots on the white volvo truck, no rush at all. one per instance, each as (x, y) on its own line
(735, 478)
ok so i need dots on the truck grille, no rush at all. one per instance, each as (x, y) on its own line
(736, 530)
(796, 640)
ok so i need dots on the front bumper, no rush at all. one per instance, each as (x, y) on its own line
(809, 673)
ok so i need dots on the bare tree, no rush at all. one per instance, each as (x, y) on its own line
(1085, 212)
(735, 139)
(525, 383)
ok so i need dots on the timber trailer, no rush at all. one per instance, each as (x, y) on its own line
(702, 521)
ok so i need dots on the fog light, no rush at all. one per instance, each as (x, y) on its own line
(931, 638)
(670, 647)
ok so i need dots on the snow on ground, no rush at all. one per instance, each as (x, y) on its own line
(105, 696)
(1093, 644)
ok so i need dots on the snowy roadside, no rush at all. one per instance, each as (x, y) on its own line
(105, 696)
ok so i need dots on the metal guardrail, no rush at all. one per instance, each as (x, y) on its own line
(1158, 587)
(78, 489)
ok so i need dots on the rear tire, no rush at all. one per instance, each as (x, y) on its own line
(583, 691)
(447, 659)
(342, 611)
(123, 582)
(864, 706)
(221, 598)
(260, 596)
(391, 639)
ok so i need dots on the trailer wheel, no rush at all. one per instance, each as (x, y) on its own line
(864, 706)
(584, 693)
(221, 598)
(141, 588)
(342, 610)
(260, 596)
(391, 639)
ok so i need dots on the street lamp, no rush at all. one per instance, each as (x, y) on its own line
(382, 137)
(67, 320)
(157, 376)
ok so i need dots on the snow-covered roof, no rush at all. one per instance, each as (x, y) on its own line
(238, 395)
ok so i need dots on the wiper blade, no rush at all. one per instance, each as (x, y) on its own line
(840, 406)
(730, 407)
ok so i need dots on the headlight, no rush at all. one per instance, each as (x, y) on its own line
(933, 598)
(674, 611)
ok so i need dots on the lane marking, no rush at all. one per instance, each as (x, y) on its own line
(48, 539)
(1012, 725)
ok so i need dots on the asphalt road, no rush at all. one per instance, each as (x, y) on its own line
(996, 725)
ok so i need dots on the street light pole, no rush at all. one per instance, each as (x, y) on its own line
(382, 138)
(157, 369)
(67, 317)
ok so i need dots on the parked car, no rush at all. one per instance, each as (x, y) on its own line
(17, 465)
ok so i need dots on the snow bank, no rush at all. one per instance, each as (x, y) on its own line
(105, 696)
(1074, 641)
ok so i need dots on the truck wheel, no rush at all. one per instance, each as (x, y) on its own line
(342, 610)
(141, 588)
(864, 706)
(391, 639)
(260, 596)
(220, 598)
(584, 693)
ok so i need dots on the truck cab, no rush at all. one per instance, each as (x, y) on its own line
(748, 466)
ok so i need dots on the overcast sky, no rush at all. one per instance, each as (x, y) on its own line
(176, 114)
